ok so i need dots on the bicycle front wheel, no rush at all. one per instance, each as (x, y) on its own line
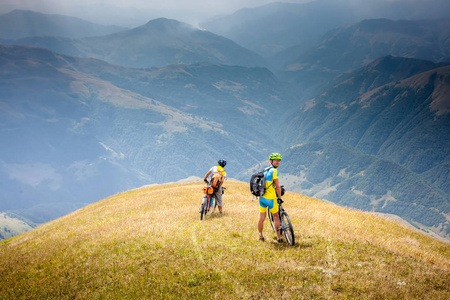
(287, 228)
(204, 209)
(203, 212)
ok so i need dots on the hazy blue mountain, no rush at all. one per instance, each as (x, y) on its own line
(79, 130)
(205, 89)
(349, 86)
(163, 41)
(275, 27)
(352, 47)
(158, 43)
(19, 24)
(387, 111)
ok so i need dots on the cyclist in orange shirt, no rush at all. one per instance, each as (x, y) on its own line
(218, 176)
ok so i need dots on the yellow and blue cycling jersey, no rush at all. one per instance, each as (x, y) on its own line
(269, 199)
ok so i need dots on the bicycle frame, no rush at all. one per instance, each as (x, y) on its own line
(285, 223)
(210, 202)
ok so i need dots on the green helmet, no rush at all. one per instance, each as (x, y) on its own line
(275, 156)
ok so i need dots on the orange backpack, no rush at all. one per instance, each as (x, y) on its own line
(215, 180)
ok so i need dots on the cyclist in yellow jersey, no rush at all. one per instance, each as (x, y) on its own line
(269, 199)
(217, 172)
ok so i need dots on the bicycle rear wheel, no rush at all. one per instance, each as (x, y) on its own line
(269, 214)
(287, 228)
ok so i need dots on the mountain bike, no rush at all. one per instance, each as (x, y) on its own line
(208, 201)
(285, 223)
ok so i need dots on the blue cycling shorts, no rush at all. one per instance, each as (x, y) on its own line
(268, 203)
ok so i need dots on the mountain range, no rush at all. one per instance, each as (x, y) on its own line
(361, 115)
(275, 27)
(158, 43)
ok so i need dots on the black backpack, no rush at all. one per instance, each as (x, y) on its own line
(258, 183)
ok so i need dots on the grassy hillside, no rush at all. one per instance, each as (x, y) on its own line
(149, 243)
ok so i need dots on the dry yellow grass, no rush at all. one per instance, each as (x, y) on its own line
(149, 243)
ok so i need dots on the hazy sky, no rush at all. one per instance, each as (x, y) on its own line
(210, 6)
(119, 11)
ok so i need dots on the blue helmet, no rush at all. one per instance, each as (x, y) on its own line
(222, 163)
